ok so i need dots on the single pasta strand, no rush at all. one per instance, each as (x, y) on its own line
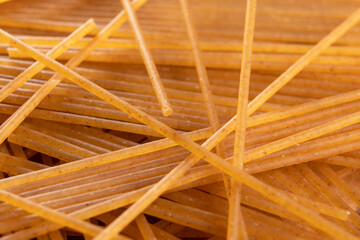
(203, 80)
(145, 228)
(201, 70)
(236, 224)
(149, 62)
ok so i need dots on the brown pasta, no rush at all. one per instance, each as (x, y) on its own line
(127, 120)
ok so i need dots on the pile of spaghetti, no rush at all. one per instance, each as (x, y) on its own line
(179, 119)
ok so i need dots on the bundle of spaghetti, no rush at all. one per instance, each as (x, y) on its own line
(179, 119)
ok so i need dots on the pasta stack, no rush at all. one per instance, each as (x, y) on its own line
(179, 119)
